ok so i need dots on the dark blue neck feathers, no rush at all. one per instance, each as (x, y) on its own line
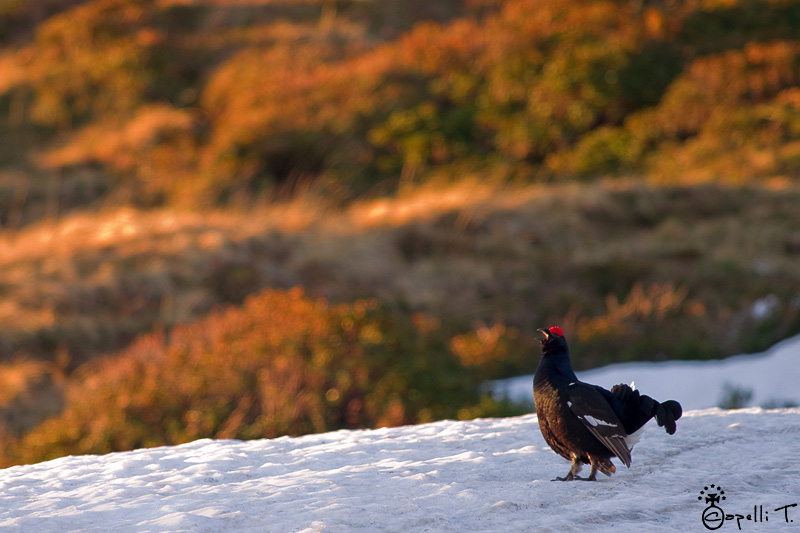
(555, 359)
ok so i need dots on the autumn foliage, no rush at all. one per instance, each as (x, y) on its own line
(282, 364)
(407, 143)
(208, 102)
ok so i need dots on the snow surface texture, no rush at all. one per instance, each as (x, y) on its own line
(482, 475)
(772, 377)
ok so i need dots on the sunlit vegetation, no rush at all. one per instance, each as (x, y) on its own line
(246, 219)
(202, 103)
(281, 364)
(451, 281)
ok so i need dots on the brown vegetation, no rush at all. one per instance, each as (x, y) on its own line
(281, 364)
(635, 272)
(202, 103)
(447, 175)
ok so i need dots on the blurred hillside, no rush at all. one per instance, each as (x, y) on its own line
(410, 304)
(440, 178)
(213, 102)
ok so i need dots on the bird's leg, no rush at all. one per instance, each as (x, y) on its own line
(592, 474)
(573, 470)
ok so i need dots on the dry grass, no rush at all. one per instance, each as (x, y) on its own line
(214, 102)
(112, 103)
(675, 268)
(31, 391)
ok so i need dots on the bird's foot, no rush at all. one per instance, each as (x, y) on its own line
(571, 477)
(573, 471)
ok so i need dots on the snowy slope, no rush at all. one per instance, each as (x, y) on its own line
(773, 377)
(483, 475)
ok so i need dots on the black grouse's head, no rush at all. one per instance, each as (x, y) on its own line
(553, 341)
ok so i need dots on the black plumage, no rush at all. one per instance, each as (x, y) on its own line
(585, 423)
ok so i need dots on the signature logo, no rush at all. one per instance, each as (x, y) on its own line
(714, 517)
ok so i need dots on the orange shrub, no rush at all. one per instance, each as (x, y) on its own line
(92, 61)
(282, 364)
(383, 95)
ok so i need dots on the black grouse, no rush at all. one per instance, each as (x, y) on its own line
(587, 424)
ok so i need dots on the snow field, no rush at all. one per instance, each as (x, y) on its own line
(480, 475)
